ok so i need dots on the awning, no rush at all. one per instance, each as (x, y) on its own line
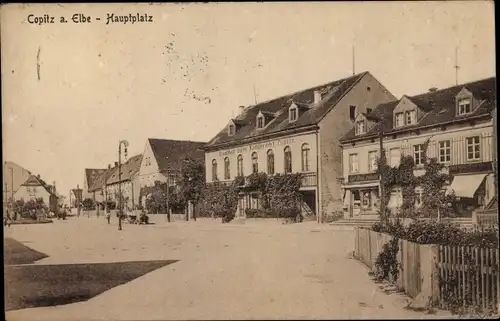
(466, 185)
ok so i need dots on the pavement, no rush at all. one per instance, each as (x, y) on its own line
(258, 270)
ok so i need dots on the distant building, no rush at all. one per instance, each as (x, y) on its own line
(13, 176)
(164, 158)
(91, 175)
(458, 121)
(76, 195)
(296, 133)
(124, 181)
(34, 188)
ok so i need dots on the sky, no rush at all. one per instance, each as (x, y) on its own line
(71, 92)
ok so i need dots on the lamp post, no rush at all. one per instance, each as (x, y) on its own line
(120, 210)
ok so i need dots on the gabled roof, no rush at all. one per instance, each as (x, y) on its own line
(333, 92)
(128, 170)
(440, 106)
(91, 174)
(98, 183)
(77, 193)
(170, 154)
(37, 181)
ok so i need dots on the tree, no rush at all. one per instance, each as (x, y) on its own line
(88, 204)
(192, 183)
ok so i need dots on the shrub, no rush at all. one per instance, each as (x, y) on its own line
(386, 264)
(88, 204)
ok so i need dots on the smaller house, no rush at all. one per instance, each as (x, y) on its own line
(123, 181)
(91, 175)
(34, 188)
(163, 160)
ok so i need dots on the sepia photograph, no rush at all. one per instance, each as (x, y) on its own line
(254, 160)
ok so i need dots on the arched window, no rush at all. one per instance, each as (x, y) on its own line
(255, 162)
(227, 173)
(240, 165)
(305, 157)
(270, 162)
(214, 170)
(288, 159)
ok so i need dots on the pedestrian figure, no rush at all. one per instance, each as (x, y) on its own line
(108, 217)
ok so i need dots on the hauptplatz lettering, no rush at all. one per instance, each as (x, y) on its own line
(130, 18)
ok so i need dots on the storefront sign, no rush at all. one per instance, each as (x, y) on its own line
(258, 146)
(471, 168)
(363, 177)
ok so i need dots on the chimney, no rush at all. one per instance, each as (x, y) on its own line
(109, 166)
(317, 96)
(433, 89)
(241, 109)
(116, 164)
(38, 176)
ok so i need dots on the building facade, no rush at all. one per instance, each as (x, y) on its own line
(162, 161)
(297, 133)
(13, 176)
(457, 122)
(34, 188)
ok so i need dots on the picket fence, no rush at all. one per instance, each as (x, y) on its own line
(470, 276)
(439, 274)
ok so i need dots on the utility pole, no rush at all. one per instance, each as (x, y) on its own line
(456, 66)
(254, 94)
(353, 61)
(168, 190)
(78, 201)
(12, 183)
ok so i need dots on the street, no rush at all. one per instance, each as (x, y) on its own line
(260, 269)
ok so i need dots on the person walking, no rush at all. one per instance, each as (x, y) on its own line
(108, 215)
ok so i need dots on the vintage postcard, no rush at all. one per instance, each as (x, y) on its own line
(276, 160)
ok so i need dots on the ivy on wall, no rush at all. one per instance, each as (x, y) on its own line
(432, 182)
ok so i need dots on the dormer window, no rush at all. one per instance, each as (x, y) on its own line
(410, 117)
(360, 127)
(399, 120)
(260, 121)
(464, 106)
(231, 130)
(293, 113)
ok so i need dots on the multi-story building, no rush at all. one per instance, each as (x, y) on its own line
(13, 176)
(296, 133)
(163, 158)
(458, 123)
(125, 182)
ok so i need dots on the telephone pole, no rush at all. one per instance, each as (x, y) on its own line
(456, 66)
(353, 61)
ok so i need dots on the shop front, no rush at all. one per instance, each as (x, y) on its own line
(361, 196)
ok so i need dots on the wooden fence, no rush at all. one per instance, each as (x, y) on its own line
(470, 276)
(444, 275)
(485, 218)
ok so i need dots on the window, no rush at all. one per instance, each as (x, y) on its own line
(288, 159)
(255, 162)
(473, 148)
(240, 165)
(353, 163)
(399, 120)
(464, 106)
(418, 197)
(28, 190)
(305, 157)
(368, 110)
(293, 114)
(231, 130)
(227, 172)
(33, 190)
(372, 161)
(410, 117)
(418, 154)
(394, 157)
(270, 162)
(260, 122)
(214, 170)
(444, 151)
(352, 112)
(360, 127)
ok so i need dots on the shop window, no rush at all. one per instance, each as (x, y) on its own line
(214, 170)
(240, 165)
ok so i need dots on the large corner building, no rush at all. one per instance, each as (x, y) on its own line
(296, 133)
